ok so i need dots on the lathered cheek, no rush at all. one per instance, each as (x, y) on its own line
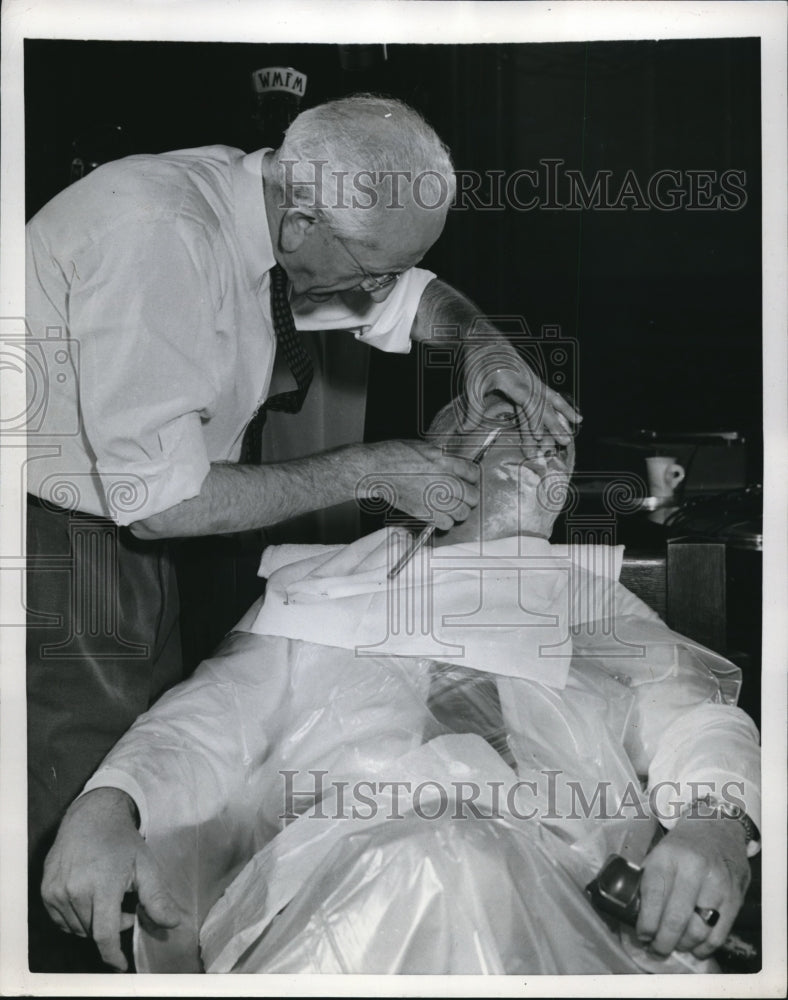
(511, 504)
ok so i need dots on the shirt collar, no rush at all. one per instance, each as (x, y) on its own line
(251, 222)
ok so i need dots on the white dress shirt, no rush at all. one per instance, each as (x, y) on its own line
(149, 280)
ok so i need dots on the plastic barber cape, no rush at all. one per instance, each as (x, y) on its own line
(421, 775)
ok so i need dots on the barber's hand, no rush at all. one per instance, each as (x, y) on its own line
(419, 479)
(542, 414)
(701, 862)
(97, 857)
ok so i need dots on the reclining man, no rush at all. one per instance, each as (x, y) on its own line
(377, 793)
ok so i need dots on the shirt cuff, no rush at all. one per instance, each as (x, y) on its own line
(110, 777)
(145, 488)
(670, 803)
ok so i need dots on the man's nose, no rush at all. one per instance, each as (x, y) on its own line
(531, 450)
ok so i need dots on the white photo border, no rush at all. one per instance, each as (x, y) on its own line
(403, 21)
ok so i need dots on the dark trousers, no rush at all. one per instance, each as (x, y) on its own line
(102, 645)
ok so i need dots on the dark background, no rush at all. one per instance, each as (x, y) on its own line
(665, 307)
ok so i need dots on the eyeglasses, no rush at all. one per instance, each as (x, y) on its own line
(370, 282)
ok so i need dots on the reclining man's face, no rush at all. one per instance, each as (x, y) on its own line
(522, 485)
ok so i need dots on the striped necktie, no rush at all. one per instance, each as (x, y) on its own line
(298, 361)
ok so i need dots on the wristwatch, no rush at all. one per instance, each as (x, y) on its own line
(722, 810)
(729, 811)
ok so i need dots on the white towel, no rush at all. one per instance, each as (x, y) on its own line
(503, 606)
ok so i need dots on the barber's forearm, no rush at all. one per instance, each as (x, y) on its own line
(247, 497)
(446, 314)
(492, 366)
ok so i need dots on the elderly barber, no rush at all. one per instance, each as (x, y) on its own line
(163, 281)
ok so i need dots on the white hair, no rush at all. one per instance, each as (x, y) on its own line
(355, 157)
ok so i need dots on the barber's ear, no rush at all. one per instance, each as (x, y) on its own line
(296, 226)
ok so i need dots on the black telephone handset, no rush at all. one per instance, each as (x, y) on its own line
(616, 891)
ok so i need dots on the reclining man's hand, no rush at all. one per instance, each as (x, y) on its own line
(98, 856)
(703, 863)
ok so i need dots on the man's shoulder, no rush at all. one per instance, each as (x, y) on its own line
(192, 184)
(217, 157)
(161, 178)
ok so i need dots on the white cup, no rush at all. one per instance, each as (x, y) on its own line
(664, 475)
